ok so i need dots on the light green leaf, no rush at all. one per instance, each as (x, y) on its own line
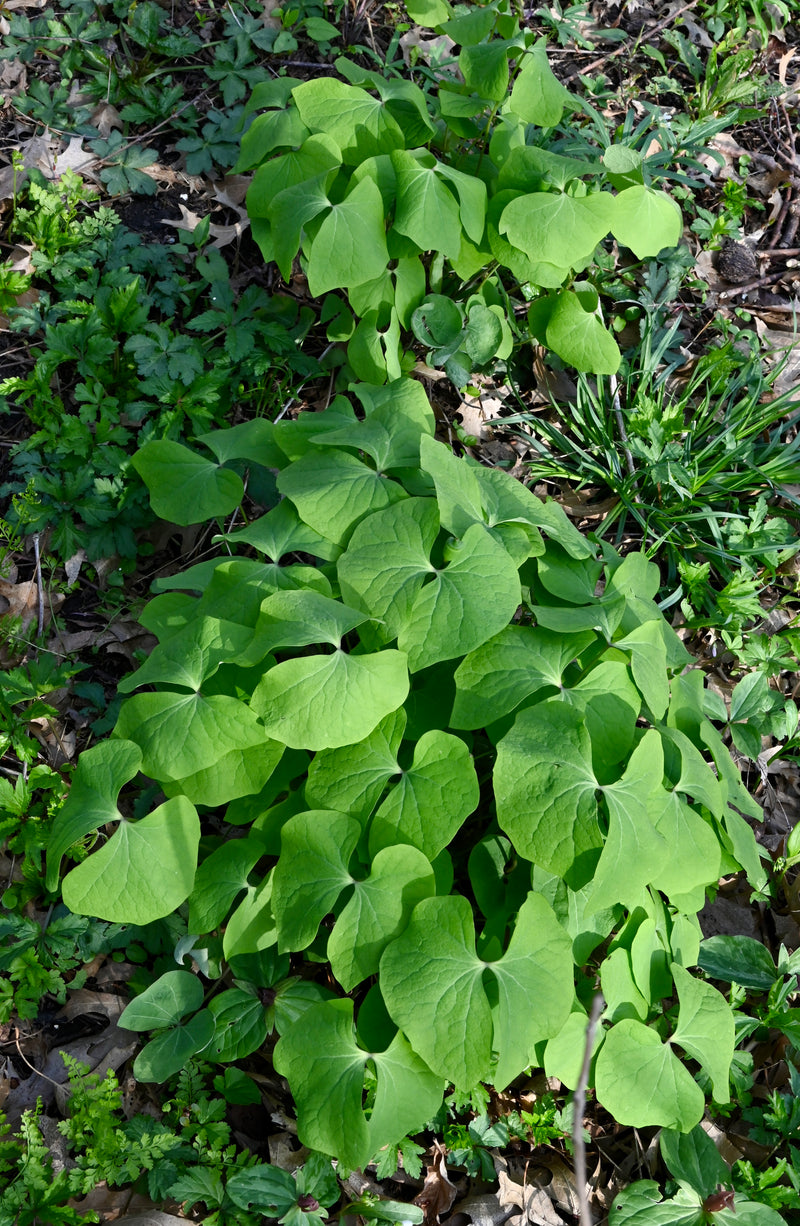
(641, 1205)
(350, 246)
(190, 655)
(472, 199)
(100, 775)
(358, 123)
(252, 926)
(291, 210)
(352, 778)
(634, 851)
(484, 68)
(432, 982)
(378, 912)
(282, 531)
(183, 734)
(705, 1028)
(580, 338)
(388, 559)
(219, 879)
(458, 487)
(649, 665)
(646, 220)
(465, 604)
(309, 164)
(321, 702)
(431, 800)
(642, 1083)
(537, 96)
(164, 1003)
(325, 1070)
(696, 859)
(556, 228)
(563, 1055)
(333, 491)
(311, 873)
(144, 871)
(611, 706)
(426, 211)
(500, 674)
(184, 487)
(545, 789)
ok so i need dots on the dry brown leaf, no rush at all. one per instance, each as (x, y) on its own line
(438, 1191)
(19, 600)
(13, 77)
(105, 118)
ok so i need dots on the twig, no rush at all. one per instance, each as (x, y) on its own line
(623, 434)
(39, 596)
(759, 283)
(578, 1109)
(24, 1058)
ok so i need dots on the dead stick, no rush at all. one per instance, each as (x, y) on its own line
(578, 1109)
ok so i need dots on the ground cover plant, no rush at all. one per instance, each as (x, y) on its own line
(377, 778)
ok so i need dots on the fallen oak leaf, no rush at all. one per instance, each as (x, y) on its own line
(438, 1191)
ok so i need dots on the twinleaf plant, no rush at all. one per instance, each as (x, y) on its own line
(391, 195)
(460, 764)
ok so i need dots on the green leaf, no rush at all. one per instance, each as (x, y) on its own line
(465, 604)
(433, 983)
(239, 1025)
(325, 1070)
(387, 561)
(333, 491)
(321, 702)
(181, 735)
(426, 211)
(358, 123)
(556, 228)
(251, 928)
(164, 1003)
(430, 13)
(311, 873)
(649, 665)
(432, 799)
(495, 678)
(634, 850)
(646, 220)
(184, 487)
(545, 789)
(219, 879)
(641, 1082)
(641, 1205)
(611, 707)
(167, 1053)
(484, 68)
(350, 246)
(580, 338)
(270, 1190)
(537, 96)
(377, 912)
(309, 164)
(738, 959)
(143, 872)
(282, 531)
(101, 773)
(352, 778)
(694, 1160)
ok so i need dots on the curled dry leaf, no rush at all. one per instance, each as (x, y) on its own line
(438, 1191)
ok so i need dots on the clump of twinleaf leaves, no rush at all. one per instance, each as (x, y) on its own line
(431, 714)
(392, 194)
